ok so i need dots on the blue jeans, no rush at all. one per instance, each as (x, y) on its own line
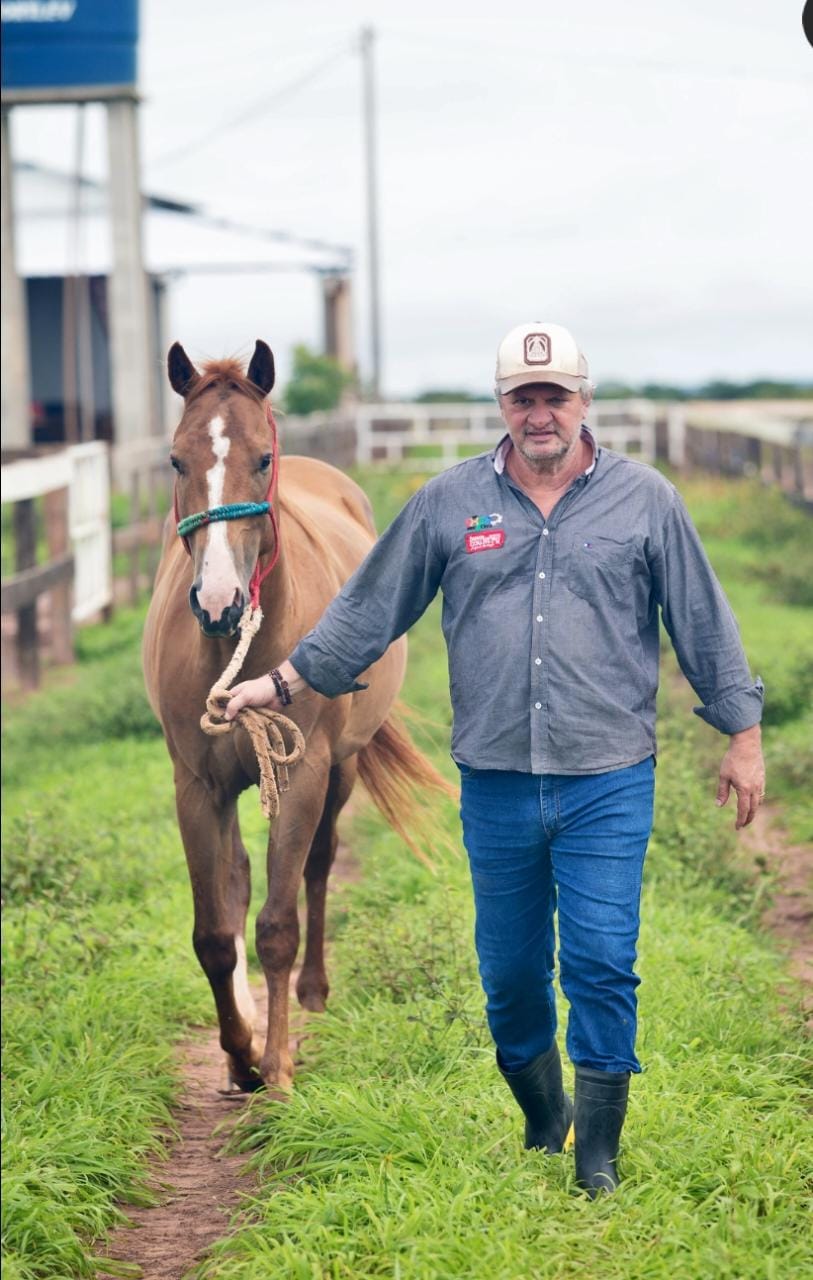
(582, 839)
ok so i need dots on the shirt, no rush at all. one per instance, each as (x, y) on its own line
(551, 626)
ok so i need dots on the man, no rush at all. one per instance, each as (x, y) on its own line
(554, 557)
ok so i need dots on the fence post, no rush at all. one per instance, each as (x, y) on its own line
(676, 436)
(135, 519)
(25, 541)
(58, 539)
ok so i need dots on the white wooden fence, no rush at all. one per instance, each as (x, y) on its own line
(82, 469)
(434, 436)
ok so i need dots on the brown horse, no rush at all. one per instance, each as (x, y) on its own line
(223, 453)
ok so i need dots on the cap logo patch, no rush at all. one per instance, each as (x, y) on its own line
(537, 348)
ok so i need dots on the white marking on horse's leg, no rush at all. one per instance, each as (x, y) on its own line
(242, 992)
(219, 578)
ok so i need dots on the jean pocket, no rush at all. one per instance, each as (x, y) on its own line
(601, 569)
(465, 770)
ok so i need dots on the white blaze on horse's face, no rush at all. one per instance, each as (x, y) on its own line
(219, 580)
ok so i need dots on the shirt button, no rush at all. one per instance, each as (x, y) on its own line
(539, 617)
(538, 706)
(544, 533)
(538, 662)
(541, 575)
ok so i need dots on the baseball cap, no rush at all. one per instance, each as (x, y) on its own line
(539, 352)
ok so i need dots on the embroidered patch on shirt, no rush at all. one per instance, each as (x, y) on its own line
(488, 540)
(484, 522)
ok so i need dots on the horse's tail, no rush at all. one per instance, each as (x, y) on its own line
(403, 784)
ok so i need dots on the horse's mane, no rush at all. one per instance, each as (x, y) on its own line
(227, 374)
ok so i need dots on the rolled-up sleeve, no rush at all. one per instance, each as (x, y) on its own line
(389, 591)
(702, 627)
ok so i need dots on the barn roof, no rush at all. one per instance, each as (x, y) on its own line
(62, 227)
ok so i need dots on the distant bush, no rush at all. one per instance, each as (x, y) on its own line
(317, 382)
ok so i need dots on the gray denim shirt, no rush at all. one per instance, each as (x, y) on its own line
(551, 626)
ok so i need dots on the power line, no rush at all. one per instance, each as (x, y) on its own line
(255, 109)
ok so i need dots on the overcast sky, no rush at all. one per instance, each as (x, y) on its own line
(639, 172)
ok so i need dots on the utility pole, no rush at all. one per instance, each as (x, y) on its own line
(367, 38)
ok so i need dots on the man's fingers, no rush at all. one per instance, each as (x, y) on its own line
(723, 791)
(754, 801)
(238, 699)
(241, 696)
(743, 808)
(251, 693)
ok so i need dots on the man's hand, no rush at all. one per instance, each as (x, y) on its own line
(262, 693)
(743, 769)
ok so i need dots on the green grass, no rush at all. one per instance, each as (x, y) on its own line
(762, 548)
(99, 976)
(400, 1154)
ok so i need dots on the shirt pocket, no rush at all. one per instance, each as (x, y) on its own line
(601, 569)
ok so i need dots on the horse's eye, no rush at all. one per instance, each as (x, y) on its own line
(176, 463)
(265, 462)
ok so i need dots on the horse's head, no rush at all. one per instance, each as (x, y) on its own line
(224, 455)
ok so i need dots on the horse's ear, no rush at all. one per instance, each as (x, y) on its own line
(182, 373)
(261, 370)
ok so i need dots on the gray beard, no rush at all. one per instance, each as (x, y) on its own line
(551, 462)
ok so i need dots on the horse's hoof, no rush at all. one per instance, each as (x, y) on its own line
(238, 1085)
(312, 1001)
(312, 991)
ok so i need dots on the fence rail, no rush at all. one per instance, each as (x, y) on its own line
(73, 485)
(769, 439)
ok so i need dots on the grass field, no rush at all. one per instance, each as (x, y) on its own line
(400, 1154)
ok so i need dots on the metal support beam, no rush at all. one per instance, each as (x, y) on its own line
(131, 346)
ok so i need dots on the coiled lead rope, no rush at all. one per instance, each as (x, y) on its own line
(267, 729)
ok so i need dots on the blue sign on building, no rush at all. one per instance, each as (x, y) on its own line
(52, 44)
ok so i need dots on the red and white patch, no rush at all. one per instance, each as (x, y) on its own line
(486, 540)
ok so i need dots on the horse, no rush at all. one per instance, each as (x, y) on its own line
(321, 526)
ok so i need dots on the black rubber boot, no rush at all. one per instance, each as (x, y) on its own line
(601, 1105)
(547, 1109)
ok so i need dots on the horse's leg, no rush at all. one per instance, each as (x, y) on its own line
(312, 984)
(277, 922)
(240, 895)
(218, 870)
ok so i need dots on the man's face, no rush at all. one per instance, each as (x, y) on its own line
(543, 421)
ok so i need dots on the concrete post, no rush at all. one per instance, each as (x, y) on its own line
(16, 378)
(339, 321)
(131, 345)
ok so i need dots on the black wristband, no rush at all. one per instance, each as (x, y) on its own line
(281, 686)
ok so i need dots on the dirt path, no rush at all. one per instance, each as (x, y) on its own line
(790, 914)
(199, 1186)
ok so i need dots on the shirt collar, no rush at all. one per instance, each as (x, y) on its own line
(500, 454)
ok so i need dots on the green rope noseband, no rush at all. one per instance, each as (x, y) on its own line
(232, 511)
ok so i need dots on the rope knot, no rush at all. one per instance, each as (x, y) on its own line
(267, 729)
